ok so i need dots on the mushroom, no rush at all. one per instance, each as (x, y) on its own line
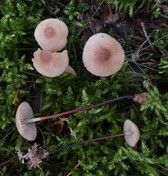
(132, 133)
(23, 114)
(50, 64)
(51, 34)
(129, 132)
(103, 55)
(25, 117)
(36, 153)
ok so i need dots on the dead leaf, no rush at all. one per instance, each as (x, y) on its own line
(110, 18)
(59, 124)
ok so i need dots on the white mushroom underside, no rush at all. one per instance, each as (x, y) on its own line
(55, 67)
(27, 130)
(94, 47)
(58, 41)
(132, 133)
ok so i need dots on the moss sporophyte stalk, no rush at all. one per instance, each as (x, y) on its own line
(36, 154)
(25, 121)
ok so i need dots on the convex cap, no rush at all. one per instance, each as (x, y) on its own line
(51, 34)
(50, 64)
(103, 55)
(132, 133)
(23, 114)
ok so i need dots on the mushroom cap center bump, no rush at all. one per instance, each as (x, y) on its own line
(50, 64)
(49, 32)
(103, 54)
(46, 56)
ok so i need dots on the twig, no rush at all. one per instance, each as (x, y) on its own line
(70, 173)
(146, 35)
(109, 9)
(163, 16)
(43, 136)
(139, 49)
(71, 130)
(135, 56)
(7, 161)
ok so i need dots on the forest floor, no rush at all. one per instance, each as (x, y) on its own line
(142, 30)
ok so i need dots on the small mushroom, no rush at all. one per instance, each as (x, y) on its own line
(132, 133)
(23, 114)
(103, 55)
(50, 64)
(36, 154)
(129, 132)
(51, 34)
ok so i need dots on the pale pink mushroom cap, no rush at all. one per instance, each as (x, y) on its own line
(132, 133)
(103, 55)
(23, 114)
(50, 64)
(51, 34)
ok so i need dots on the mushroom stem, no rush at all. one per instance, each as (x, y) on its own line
(70, 70)
(79, 109)
(87, 141)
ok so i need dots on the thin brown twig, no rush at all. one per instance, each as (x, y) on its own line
(1, 164)
(139, 49)
(43, 136)
(71, 130)
(163, 16)
(76, 166)
(146, 35)
(135, 56)
(109, 9)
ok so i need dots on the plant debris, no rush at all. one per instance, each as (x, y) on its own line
(141, 98)
(34, 156)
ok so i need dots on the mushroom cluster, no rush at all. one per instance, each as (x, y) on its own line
(51, 35)
(102, 56)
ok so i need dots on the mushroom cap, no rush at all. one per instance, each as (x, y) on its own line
(132, 133)
(23, 114)
(103, 55)
(51, 34)
(50, 64)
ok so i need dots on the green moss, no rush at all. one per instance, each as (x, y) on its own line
(20, 82)
(135, 6)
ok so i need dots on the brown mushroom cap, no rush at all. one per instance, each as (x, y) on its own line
(132, 133)
(51, 34)
(23, 114)
(50, 64)
(103, 55)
